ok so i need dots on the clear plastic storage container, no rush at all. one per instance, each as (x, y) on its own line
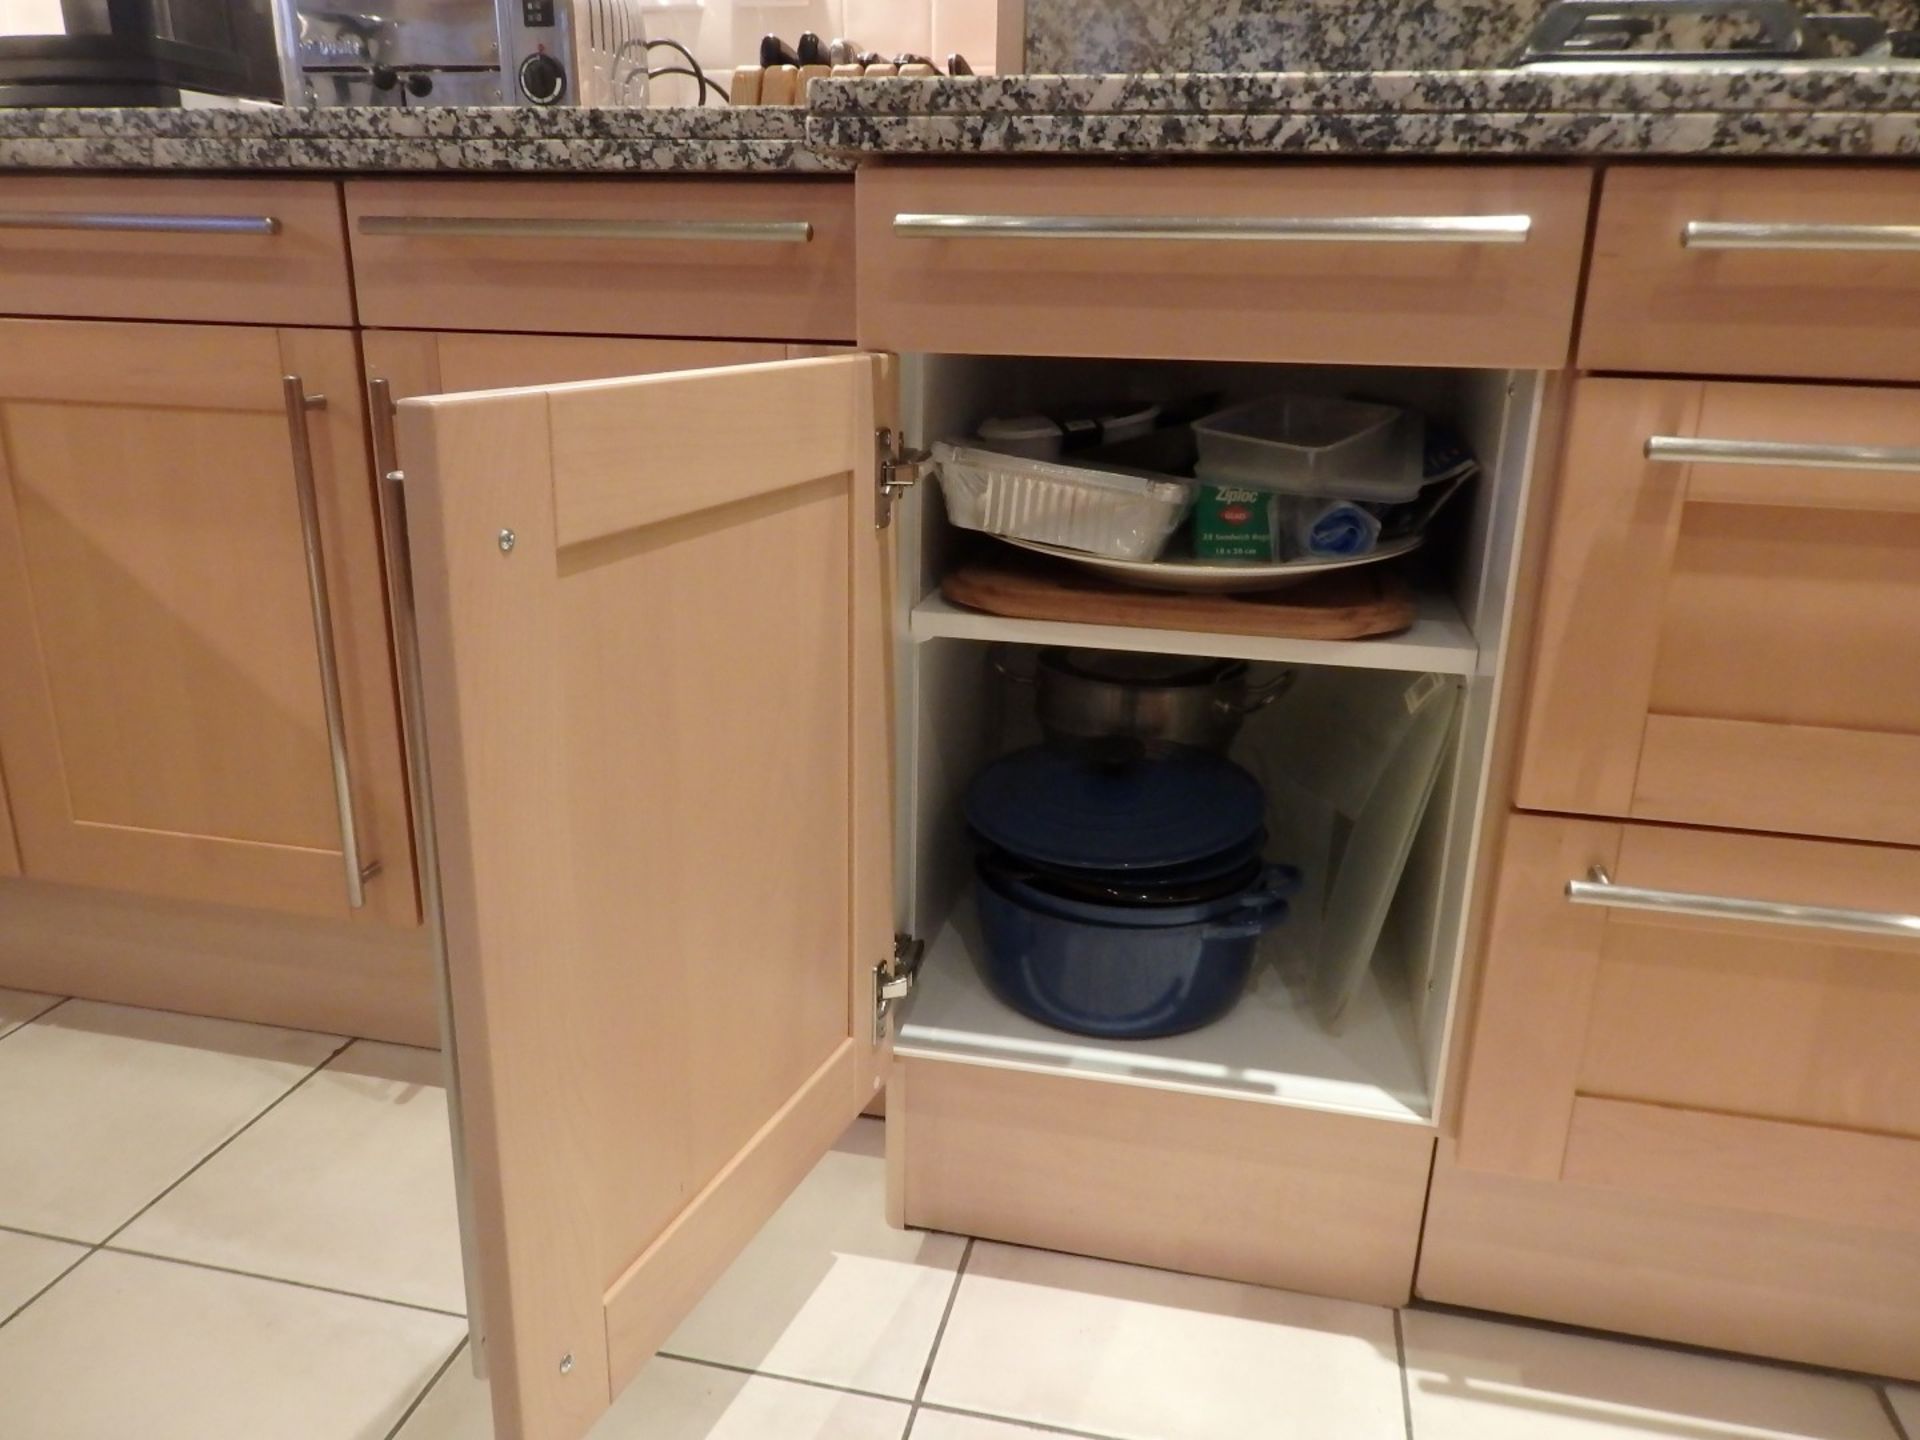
(1104, 512)
(1308, 445)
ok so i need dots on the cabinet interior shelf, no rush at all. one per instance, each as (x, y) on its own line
(1266, 1049)
(1438, 641)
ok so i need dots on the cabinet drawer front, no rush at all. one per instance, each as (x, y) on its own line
(1807, 1172)
(261, 251)
(758, 259)
(1747, 975)
(1360, 265)
(1741, 563)
(1057, 1162)
(1796, 272)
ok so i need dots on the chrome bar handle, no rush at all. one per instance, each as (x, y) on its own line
(1742, 235)
(298, 404)
(1682, 449)
(1370, 229)
(1598, 889)
(765, 232)
(139, 224)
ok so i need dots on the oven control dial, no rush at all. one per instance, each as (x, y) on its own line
(543, 79)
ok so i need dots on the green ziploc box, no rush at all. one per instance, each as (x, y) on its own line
(1232, 524)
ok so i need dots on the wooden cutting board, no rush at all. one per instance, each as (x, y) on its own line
(1342, 605)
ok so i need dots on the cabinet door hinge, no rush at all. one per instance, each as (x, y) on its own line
(897, 469)
(893, 980)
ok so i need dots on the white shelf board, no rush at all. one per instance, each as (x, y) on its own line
(1267, 1048)
(1438, 640)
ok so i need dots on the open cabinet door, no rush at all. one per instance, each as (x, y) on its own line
(654, 636)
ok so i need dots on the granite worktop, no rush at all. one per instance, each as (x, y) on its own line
(1785, 110)
(519, 139)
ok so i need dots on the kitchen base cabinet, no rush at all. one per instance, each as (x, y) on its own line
(1267, 1194)
(1676, 1267)
(698, 727)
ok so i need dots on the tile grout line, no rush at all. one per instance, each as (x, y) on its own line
(459, 1349)
(199, 1164)
(35, 1019)
(1406, 1385)
(47, 1235)
(277, 1280)
(1017, 1421)
(939, 1334)
(1893, 1415)
(776, 1375)
(95, 1247)
(7, 1319)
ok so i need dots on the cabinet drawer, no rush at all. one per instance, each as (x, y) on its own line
(1056, 1162)
(1805, 1172)
(760, 259)
(1730, 631)
(263, 251)
(1810, 272)
(1343, 264)
(1747, 975)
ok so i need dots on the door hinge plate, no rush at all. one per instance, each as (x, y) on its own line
(898, 468)
(893, 980)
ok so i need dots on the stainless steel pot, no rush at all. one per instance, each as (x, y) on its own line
(1155, 699)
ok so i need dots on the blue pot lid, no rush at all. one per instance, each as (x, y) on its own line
(1058, 807)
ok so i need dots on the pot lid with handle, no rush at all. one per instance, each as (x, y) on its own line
(1112, 807)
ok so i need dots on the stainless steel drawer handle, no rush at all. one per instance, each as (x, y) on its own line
(1368, 229)
(1682, 449)
(139, 224)
(764, 232)
(1738, 235)
(298, 404)
(1598, 889)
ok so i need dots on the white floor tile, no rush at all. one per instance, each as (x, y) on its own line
(102, 1107)
(673, 1400)
(829, 1291)
(1149, 1355)
(27, 1265)
(347, 1184)
(1906, 1404)
(1471, 1379)
(126, 1346)
(939, 1425)
(17, 1007)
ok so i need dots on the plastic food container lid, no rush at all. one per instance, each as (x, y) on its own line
(1063, 808)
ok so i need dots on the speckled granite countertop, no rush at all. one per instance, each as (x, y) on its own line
(518, 139)
(1782, 110)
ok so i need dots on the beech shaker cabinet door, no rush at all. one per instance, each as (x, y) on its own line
(1730, 633)
(1711, 1010)
(654, 641)
(169, 722)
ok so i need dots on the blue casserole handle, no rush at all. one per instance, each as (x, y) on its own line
(1262, 907)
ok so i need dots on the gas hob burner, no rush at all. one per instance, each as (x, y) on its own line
(1609, 34)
